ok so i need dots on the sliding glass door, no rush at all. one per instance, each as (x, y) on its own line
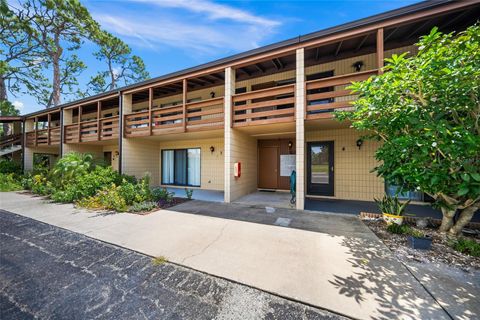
(181, 167)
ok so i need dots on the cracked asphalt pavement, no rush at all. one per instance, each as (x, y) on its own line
(51, 273)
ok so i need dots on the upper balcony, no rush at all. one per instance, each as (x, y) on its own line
(92, 122)
(188, 105)
(43, 130)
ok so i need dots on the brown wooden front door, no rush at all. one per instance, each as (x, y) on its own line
(268, 167)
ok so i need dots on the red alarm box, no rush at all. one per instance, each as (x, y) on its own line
(237, 169)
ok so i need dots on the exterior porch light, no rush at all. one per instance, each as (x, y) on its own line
(358, 66)
(359, 143)
(212, 148)
(290, 144)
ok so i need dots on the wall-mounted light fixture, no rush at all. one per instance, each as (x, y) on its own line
(359, 143)
(290, 144)
(212, 94)
(212, 148)
(358, 66)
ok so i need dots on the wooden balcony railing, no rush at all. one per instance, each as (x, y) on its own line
(201, 115)
(325, 95)
(264, 106)
(10, 140)
(44, 137)
(92, 130)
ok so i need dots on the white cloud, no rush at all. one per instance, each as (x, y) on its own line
(196, 27)
(215, 11)
(18, 105)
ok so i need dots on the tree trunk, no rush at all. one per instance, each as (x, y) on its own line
(3, 98)
(56, 80)
(465, 217)
(447, 219)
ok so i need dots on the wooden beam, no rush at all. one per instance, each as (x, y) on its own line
(184, 111)
(415, 31)
(338, 48)
(390, 34)
(245, 71)
(79, 122)
(451, 21)
(275, 64)
(49, 118)
(362, 42)
(150, 106)
(380, 53)
(99, 130)
(259, 68)
(214, 75)
(280, 63)
(204, 78)
(36, 128)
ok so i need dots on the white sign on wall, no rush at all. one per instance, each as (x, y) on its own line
(287, 164)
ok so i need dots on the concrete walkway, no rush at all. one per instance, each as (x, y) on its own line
(354, 276)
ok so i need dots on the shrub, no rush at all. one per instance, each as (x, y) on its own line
(87, 184)
(10, 166)
(108, 198)
(9, 182)
(70, 166)
(40, 185)
(162, 194)
(142, 206)
(467, 246)
(399, 229)
(134, 193)
(189, 193)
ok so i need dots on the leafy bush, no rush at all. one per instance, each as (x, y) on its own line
(70, 166)
(162, 194)
(142, 206)
(467, 246)
(108, 198)
(9, 182)
(10, 166)
(189, 193)
(134, 193)
(399, 229)
(87, 184)
(41, 185)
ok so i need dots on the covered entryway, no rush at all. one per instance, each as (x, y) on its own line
(276, 160)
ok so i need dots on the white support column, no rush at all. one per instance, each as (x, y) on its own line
(229, 92)
(126, 106)
(300, 128)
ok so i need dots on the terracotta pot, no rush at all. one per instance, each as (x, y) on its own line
(392, 218)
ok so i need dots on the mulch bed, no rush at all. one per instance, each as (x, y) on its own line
(440, 251)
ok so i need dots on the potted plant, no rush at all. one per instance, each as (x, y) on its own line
(392, 209)
(418, 240)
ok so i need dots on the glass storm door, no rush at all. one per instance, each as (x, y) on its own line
(320, 168)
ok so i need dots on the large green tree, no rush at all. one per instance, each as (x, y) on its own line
(123, 68)
(426, 111)
(59, 28)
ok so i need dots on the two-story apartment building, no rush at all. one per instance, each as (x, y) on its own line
(243, 123)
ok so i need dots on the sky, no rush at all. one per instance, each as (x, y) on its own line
(170, 35)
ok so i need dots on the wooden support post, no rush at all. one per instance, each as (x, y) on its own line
(380, 54)
(36, 128)
(184, 105)
(49, 117)
(150, 106)
(79, 123)
(99, 130)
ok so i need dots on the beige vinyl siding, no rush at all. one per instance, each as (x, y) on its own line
(141, 157)
(211, 164)
(244, 150)
(352, 168)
